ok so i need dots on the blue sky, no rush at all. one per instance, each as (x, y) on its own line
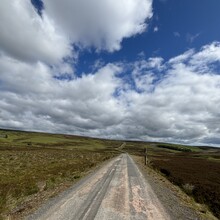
(175, 27)
(181, 24)
(128, 69)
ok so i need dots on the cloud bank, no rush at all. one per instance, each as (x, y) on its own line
(156, 100)
(176, 101)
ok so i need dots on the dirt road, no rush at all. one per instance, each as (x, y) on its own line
(117, 191)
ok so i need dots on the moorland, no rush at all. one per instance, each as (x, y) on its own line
(36, 166)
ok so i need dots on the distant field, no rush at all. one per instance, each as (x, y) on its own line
(196, 170)
(35, 162)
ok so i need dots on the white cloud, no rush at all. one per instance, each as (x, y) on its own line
(174, 100)
(182, 105)
(51, 37)
(208, 54)
(31, 98)
(156, 29)
(182, 58)
(27, 36)
(98, 23)
(144, 73)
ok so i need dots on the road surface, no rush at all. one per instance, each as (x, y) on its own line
(117, 191)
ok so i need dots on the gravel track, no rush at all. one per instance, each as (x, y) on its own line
(117, 191)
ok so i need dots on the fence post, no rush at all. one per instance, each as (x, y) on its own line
(145, 156)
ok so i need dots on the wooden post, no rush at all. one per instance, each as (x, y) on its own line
(145, 156)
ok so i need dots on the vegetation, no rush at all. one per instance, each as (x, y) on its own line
(31, 163)
(197, 173)
(194, 169)
(35, 162)
(174, 147)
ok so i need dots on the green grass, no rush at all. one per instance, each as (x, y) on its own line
(177, 147)
(45, 140)
(33, 139)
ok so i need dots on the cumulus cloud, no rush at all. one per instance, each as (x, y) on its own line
(182, 106)
(27, 36)
(32, 98)
(173, 101)
(61, 26)
(98, 23)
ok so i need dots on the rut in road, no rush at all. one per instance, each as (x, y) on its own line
(116, 191)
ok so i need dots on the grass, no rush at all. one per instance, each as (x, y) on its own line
(178, 147)
(34, 162)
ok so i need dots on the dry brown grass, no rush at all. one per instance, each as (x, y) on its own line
(27, 166)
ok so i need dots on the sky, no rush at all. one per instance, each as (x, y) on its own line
(128, 69)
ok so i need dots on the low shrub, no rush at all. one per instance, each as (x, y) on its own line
(165, 172)
(188, 188)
